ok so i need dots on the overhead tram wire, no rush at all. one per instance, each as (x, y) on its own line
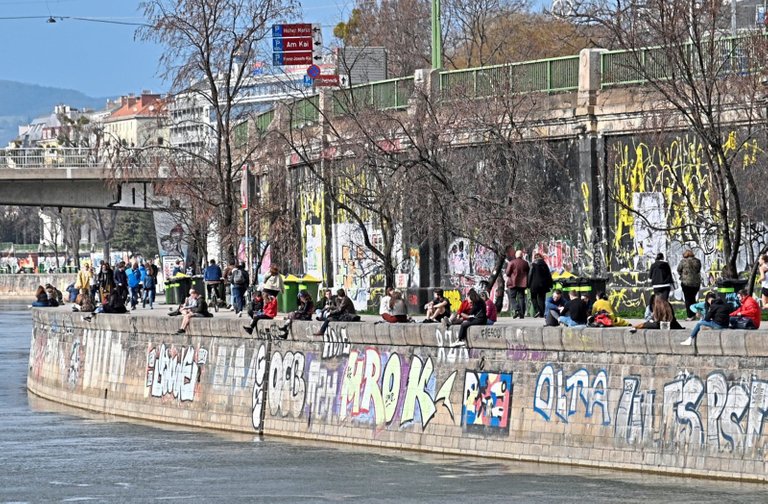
(54, 19)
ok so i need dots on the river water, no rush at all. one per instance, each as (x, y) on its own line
(49, 453)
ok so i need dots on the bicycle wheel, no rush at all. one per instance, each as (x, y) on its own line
(215, 301)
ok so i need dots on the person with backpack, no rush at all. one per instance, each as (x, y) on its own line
(149, 280)
(239, 282)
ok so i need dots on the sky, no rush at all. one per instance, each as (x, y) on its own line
(100, 60)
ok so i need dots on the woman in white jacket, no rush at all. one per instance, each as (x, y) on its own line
(273, 282)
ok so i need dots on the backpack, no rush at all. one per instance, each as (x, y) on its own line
(601, 319)
(238, 277)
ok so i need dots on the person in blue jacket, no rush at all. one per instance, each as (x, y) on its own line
(149, 283)
(212, 277)
(552, 308)
(134, 284)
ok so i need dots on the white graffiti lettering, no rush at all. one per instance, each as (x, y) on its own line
(554, 394)
(175, 372)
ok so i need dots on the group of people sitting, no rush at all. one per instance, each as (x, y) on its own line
(47, 296)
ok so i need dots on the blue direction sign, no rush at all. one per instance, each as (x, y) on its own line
(307, 81)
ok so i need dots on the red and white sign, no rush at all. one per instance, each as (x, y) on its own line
(297, 58)
(326, 80)
(296, 30)
(293, 44)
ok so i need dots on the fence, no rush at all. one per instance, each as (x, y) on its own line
(547, 76)
(392, 94)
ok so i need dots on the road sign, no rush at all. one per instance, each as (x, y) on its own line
(327, 81)
(297, 44)
(313, 71)
(292, 44)
(296, 30)
(295, 58)
(307, 81)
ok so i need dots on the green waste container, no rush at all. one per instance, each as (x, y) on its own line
(584, 285)
(311, 285)
(199, 285)
(287, 301)
(171, 292)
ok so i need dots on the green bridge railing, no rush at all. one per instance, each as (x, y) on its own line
(551, 75)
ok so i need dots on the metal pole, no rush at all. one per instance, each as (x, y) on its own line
(437, 37)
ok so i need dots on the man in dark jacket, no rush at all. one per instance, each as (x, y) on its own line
(575, 312)
(121, 281)
(517, 282)
(718, 316)
(344, 311)
(661, 277)
(552, 308)
(539, 283)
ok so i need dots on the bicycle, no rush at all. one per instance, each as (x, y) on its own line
(213, 297)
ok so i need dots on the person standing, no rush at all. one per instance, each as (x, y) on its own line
(763, 276)
(273, 282)
(661, 277)
(689, 271)
(106, 280)
(539, 283)
(149, 281)
(84, 277)
(134, 283)
(121, 281)
(517, 282)
(240, 282)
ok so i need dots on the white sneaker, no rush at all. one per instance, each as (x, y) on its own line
(687, 342)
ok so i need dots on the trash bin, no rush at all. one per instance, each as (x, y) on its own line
(185, 283)
(730, 285)
(287, 300)
(311, 285)
(199, 284)
(171, 292)
(584, 285)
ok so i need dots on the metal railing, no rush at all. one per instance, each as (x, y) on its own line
(60, 157)
(729, 55)
(551, 75)
(391, 94)
(305, 111)
(264, 119)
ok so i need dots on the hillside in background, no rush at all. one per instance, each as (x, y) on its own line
(20, 103)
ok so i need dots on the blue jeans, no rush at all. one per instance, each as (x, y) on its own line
(237, 297)
(565, 319)
(704, 323)
(135, 295)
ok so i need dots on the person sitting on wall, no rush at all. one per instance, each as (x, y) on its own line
(83, 302)
(196, 307)
(343, 312)
(41, 298)
(552, 308)
(384, 301)
(575, 312)
(603, 305)
(398, 310)
(662, 312)
(55, 297)
(257, 303)
(306, 307)
(324, 305)
(438, 308)
(476, 316)
(746, 316)
(490, 308)
(464, 308)
(268, 313)
(718, 317)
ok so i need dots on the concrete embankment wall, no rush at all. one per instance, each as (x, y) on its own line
(596, 397)
(21, 285)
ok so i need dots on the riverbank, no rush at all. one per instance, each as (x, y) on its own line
(594, 397)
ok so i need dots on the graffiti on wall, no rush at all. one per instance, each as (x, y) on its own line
(105, 359)
(457, 350)
(487, 402)
(368, 387)
(174, 372)
(578, 393)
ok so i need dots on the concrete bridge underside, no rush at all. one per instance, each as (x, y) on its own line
(78, 188)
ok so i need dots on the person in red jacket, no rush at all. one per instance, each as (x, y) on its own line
(269, 312)
(490, 308)
(749, 310)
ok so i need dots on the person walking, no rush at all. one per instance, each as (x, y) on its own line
(134, 283)
(517, 282)
(539, 283)
(661, 277)
(239, 281)
(689, 271)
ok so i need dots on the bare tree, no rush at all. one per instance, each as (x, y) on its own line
(712, 86)
(212, 44)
